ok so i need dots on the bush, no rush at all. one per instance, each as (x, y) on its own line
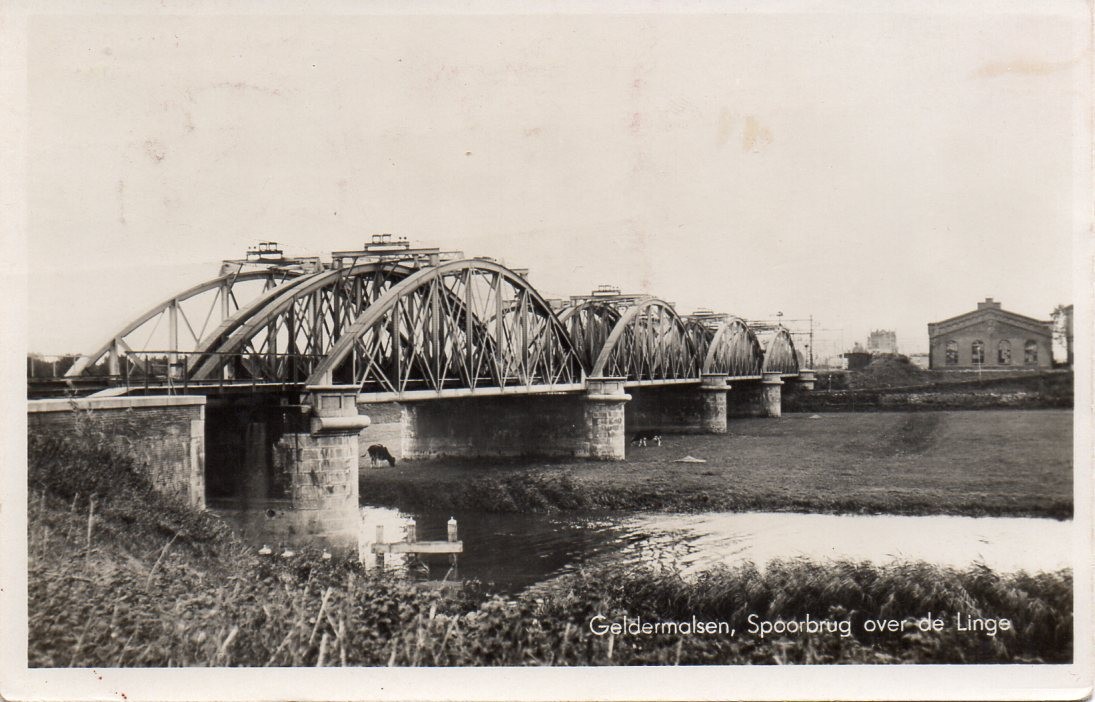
(86, 467)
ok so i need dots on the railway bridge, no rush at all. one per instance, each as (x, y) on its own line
(291, 354)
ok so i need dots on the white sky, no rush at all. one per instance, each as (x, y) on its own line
(874, 170)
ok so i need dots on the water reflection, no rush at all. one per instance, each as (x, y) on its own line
(517, 550)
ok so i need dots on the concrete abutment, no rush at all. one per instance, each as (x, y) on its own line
(164, 436)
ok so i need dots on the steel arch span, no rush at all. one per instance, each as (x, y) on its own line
(733, 350)
(650, 343)
(189, 315)
(589, 324)
(282, 337)
(780, 355)
(463, 328)
(402, 323)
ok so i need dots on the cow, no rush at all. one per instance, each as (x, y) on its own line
(378, 453)
(642, 437)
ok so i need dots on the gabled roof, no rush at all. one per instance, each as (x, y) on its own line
(962, 321)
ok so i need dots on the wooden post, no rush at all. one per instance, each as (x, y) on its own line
(412, 530)
(452, 528)
(380, 540)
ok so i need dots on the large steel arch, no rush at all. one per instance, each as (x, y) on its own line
(780, 355)
(650, 343)
(226, 301)
(284, 336)
(462, 328)
(734, 350)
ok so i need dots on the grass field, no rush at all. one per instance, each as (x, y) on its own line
(121, 576)
(1006, 462)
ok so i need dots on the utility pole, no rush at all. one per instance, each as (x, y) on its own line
(811, 340)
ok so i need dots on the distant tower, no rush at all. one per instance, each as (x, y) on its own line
(1062, 333)
(882, 341)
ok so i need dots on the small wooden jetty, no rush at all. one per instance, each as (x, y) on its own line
(411, 544)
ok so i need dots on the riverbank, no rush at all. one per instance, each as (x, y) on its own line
(121, 577)
(917, 390)
(986, 463)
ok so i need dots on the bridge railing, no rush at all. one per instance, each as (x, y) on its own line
(172, 371)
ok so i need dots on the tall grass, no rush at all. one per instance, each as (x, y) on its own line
(119, 576)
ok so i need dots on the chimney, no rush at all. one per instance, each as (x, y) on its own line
(988, 304)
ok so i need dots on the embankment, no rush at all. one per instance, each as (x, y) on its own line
(1051, 390)
(121, 577)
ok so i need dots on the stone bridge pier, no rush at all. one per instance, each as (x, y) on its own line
(287, 472)
(765, 397)
(576, 425)
(757, 398)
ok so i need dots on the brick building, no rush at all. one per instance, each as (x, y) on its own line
(990, 337)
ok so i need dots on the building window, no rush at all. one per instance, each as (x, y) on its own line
(977, 352)
(1030, 352)
(1003, 353)
(952, 353)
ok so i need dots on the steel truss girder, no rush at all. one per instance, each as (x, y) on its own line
(650, 341)
(117, 343)
(284, 336)
(465, 325)
(780, 355)
(589, 324)
(733, 350)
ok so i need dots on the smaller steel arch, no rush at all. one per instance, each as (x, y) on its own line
(656, 343)
(780, 355)
(734, 350)
(589, 323)
(225, 282)
(238, 332)
(227, 327)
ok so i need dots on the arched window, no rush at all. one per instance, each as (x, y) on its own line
(952, 353)
(1003, 352)
(977, 352)
(1030, 351)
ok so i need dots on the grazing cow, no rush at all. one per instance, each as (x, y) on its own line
(378, 453)
(642, 437)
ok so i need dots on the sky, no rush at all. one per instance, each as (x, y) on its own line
(874, 170)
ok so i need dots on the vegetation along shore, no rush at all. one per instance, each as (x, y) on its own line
(120, 576)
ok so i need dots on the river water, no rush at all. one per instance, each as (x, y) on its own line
(516, 550)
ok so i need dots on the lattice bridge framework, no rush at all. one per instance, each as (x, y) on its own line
(402, 323)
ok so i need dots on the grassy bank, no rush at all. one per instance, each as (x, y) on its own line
(894, 384)
(990, 463)
(121, 577)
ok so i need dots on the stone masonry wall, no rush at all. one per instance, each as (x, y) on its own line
(530, 425)
(669, 410)
(605, 436)
(745, 399)
(165, 436)
(323, 482)
(320, 469)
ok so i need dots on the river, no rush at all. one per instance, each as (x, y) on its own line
(514, 550)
